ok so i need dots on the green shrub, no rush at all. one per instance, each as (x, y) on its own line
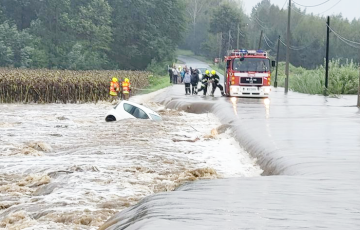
(343, 78)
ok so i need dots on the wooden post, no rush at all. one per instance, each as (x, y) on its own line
(288, 50)
(327, 55)
(261, 35)
(277, 62)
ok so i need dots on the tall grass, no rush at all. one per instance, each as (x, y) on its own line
(343, 78)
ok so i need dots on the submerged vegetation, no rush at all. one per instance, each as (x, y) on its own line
(63, 86)
(343, 78)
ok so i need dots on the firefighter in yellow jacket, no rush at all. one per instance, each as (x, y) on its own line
(114, 89)
(126, 89)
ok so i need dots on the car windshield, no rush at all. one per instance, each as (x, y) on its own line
(202, 70)
(251, 64)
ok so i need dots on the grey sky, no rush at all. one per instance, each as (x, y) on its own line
(348, 8)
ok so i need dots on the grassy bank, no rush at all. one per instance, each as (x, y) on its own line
(156, 83)
(343, 79)
(218, 67)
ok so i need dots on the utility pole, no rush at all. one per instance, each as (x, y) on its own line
(261, 35)
(358, 103)
(238, 37)
(229, 45)
(327, 55)
(277, 62)
(220, 44)
(287, 50)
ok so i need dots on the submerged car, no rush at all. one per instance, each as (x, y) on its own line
(128, 110)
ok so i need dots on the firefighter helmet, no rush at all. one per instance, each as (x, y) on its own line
(126, 79)
(213, 72)
(207, 71)
(114, 79)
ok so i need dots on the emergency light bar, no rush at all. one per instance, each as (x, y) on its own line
(247, 52)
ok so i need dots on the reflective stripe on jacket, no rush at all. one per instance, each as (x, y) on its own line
(126, 87)
(114, 88)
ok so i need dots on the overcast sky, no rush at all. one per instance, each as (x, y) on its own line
(348, 8)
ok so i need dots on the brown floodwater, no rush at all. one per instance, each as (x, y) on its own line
(64, 167)
(308, 147)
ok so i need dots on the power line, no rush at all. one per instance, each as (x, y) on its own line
(259, 19)
(258, 22)
(349, 44)
(268, 39)
(284, 4)
(338, 35)
(312, 5)
(267, 42)
(331, 7)
(297, 48)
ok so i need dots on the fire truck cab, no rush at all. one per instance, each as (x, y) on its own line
(247, 73)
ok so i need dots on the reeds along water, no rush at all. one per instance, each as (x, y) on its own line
(62, 86)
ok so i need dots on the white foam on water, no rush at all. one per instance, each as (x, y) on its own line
(80, 170)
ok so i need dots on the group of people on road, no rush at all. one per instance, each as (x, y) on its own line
(176, 74)
(120, 91)
(190, 77)
(207, 79)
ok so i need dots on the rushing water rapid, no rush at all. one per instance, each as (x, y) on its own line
(64, 167)
(308, 147)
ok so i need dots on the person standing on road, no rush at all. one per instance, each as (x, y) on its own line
(216, 83)
(114, 89)
(204, 82)
(187, 81)
(194, 81)
(170, 74)
(182, 73)
(175, 75)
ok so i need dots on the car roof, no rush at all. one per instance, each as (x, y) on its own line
(146, 109)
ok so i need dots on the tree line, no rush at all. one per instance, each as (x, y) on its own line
(144, 34)
(89, 34)
(219, 24)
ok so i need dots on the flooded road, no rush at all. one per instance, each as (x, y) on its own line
(64, 167)
(308, 147)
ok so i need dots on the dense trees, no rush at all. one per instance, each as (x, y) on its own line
(89, 34)
(139, 34)
(308, 32)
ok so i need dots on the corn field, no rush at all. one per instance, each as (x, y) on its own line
(63, 86)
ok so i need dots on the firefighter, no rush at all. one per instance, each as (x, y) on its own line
(126, 89)
(216, 83)
(114, 89)
(204, 82)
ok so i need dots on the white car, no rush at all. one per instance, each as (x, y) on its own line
(202, 71)
(128, 110)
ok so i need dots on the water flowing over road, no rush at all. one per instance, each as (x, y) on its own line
(308, 147)
(64, 167)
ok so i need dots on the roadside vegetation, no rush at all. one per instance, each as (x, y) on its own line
(156, 83)
(219, 67)
(343, 78)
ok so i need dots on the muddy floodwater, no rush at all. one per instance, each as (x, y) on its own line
(308, 147)
(64, 167)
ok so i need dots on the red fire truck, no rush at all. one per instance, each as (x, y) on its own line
(247, 73)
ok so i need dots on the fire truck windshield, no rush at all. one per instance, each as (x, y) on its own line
(251, 65)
